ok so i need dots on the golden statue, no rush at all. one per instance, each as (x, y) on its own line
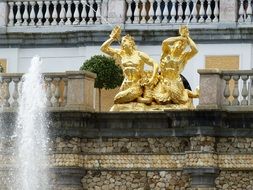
(148, 90)
(137, 82)
(176, 51)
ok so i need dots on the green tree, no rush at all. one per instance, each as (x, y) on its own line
(109, 75)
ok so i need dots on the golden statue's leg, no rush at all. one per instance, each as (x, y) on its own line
(128, 95)
(193, 94)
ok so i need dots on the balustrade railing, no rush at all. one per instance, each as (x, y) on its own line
(245, 11)
(238, 89)
(57, 89)
(55, 12)
(226, 89)
(172, 11)
(55, 86)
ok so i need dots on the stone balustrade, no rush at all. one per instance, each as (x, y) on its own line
(245, 11)
(16, 13)
(56, 12)
(172, 11)
(226, 89)
(59, 90)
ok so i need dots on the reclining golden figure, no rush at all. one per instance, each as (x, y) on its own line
(132, 63)
(176, 51)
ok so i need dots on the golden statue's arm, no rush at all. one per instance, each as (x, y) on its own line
(151, 62)
(194, 49)
(189, 54)
(106, 46)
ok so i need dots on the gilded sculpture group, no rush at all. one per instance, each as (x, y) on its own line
(152, 90)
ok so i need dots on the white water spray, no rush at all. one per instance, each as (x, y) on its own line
(31, 132)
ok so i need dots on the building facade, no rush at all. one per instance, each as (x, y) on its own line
(67, 32)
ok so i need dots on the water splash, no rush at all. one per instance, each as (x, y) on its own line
(31, 132)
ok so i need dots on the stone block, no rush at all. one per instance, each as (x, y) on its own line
(81, 90)
(210, 89)
(116, 11)
(3, 14)
(228, 11)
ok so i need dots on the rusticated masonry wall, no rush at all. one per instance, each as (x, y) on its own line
(174, 150)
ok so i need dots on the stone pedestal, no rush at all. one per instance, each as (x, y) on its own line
(3, 14)
(202, 178)
(80, 93)
(210, 96)
(67, 178)
(116, 11)
(228, 11)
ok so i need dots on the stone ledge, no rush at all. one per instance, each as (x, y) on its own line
(144, 161)
(144, 35)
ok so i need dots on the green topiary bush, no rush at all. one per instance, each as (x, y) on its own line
(109, 75)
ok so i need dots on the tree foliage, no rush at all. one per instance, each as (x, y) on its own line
(109, 75)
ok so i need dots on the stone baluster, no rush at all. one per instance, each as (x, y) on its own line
(245, 91)
(7, 92)
(65, 91)
(47, 13)
(187, 11)
(18, 14)
(151, 11)
(54, 14)
(91, 13)
(208, 11)
(129, 12)
(76, 13)
(226, 92)
(143, 12)
(25, 14)
(98, 12)
(236, 90)
(56, 92)
(158, 12)
(49, 91)
(83, 13)
(136, 12)
(194, 12)
(11, 14)
(249, 12)
(201, 11)
(69, 13)
(173, 11)
(251, 90)
(165, 12)
(40, 14)
(32, 13)
(216, 11)
(15, 94)
(62, 13)
(180, 11)
(241, 12)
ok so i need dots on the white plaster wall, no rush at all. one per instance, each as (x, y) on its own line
(63, 59)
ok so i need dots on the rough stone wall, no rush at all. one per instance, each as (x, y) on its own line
(235, 145)
(122, 145)
(139, 180)
(234, 180)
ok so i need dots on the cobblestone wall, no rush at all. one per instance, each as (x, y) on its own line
(235, 145)
(234, 180)
(139, 180)
(122, 145)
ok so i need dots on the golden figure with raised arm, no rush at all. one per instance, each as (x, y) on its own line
(137, 83)
(176, 51)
